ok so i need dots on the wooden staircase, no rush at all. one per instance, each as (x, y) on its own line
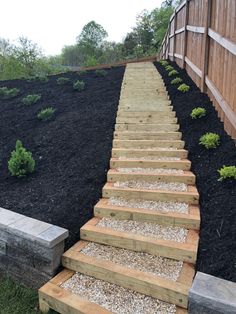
(149, 168)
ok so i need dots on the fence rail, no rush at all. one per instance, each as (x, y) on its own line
(201, 37)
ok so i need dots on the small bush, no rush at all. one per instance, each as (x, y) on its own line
(173, 72)
(184, 88)
(8, 92)
(227, 172)
(101, 73)
(31, 99)
(79, 85)
(42, 78)
(210, 140)
(46, 114)
(21, 162)
(169, 68)
(198, 112)
(176, 81)
(82, 72)
(63, 80)
(164, 63)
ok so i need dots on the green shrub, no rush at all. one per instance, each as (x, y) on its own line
(101, 73)
(227, 172)
(79, 85)
(173, 72)
(42, 78)
(176, 81)
(46, 113)
(82, 72)
(31, 99)
(169, 68)
(210, 140)
(198, 112)
(164, 63)
(21, 161)
(8, 92)
(184, 88)
(62, 80)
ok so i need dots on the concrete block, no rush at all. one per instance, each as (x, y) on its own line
(53, 235)
(212, 295)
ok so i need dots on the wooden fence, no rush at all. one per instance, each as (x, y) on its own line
(201, 38)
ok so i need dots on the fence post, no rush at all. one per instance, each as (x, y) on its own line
(206, 45)
(174, 38)
(168, 42)
(185, 32)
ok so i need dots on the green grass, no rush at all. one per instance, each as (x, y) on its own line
(16, 299)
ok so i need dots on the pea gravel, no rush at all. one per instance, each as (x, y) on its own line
(115, 298)
(164, 207)
(153, 230)
(150, 170)
(169, 186)
(156, 265)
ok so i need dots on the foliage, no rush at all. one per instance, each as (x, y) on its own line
(91, 61)
(176, 81)
(63, 80)
(46, 113)
(173, 72)
(21, 162)
(198, 112)
(164, 63)
(210, 140)
(79, 85)
(8, 92)
(100, 72)
(31, 99)
(42, 78)
(169, 68)
(82, 72)
(184, 88)
(227, 172)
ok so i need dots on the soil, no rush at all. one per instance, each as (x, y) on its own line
(217, 247)
(71, 151)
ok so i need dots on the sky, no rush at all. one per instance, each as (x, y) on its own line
(53, 24)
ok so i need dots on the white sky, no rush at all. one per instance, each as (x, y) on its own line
(55, 23)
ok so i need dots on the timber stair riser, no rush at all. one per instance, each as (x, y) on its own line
(142, 144)
(113, 176)
(147, 120)
(125, 152)
(145, 114)
(183, 164)
(147, 135)
(147, 127)
(188, 221)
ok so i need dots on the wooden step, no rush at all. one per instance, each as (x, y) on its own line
(189, 221)
(142, 144)
(147, 127)
(190, 197)
(52, 296)
(127, 135)
(130, 278)
(147, 120)
(183, 164)
(186, 251)
(143, 106)
(187, 177)
(146, 114)
(125, 152)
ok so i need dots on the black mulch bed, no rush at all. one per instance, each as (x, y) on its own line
(71, 151)
(217, 249)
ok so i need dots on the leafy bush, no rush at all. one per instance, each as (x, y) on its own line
(198, 112)
(46, 113)
(8, 92)
(227, 172)
(42, 78)
(31, 99)
(169, 68)
(21, 161)
(79, 85)
(82, 72)
(91, 61)
(62, 80)
(173, 72)
(164, 63)
(101, 73)
(210, 140)
(184, 88)
(176, 81)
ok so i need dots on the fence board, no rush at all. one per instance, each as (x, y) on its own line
(204, 42)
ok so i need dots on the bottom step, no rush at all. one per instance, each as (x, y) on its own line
(75, 293)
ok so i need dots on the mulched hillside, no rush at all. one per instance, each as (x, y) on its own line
(217, 248)
(71, 151)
